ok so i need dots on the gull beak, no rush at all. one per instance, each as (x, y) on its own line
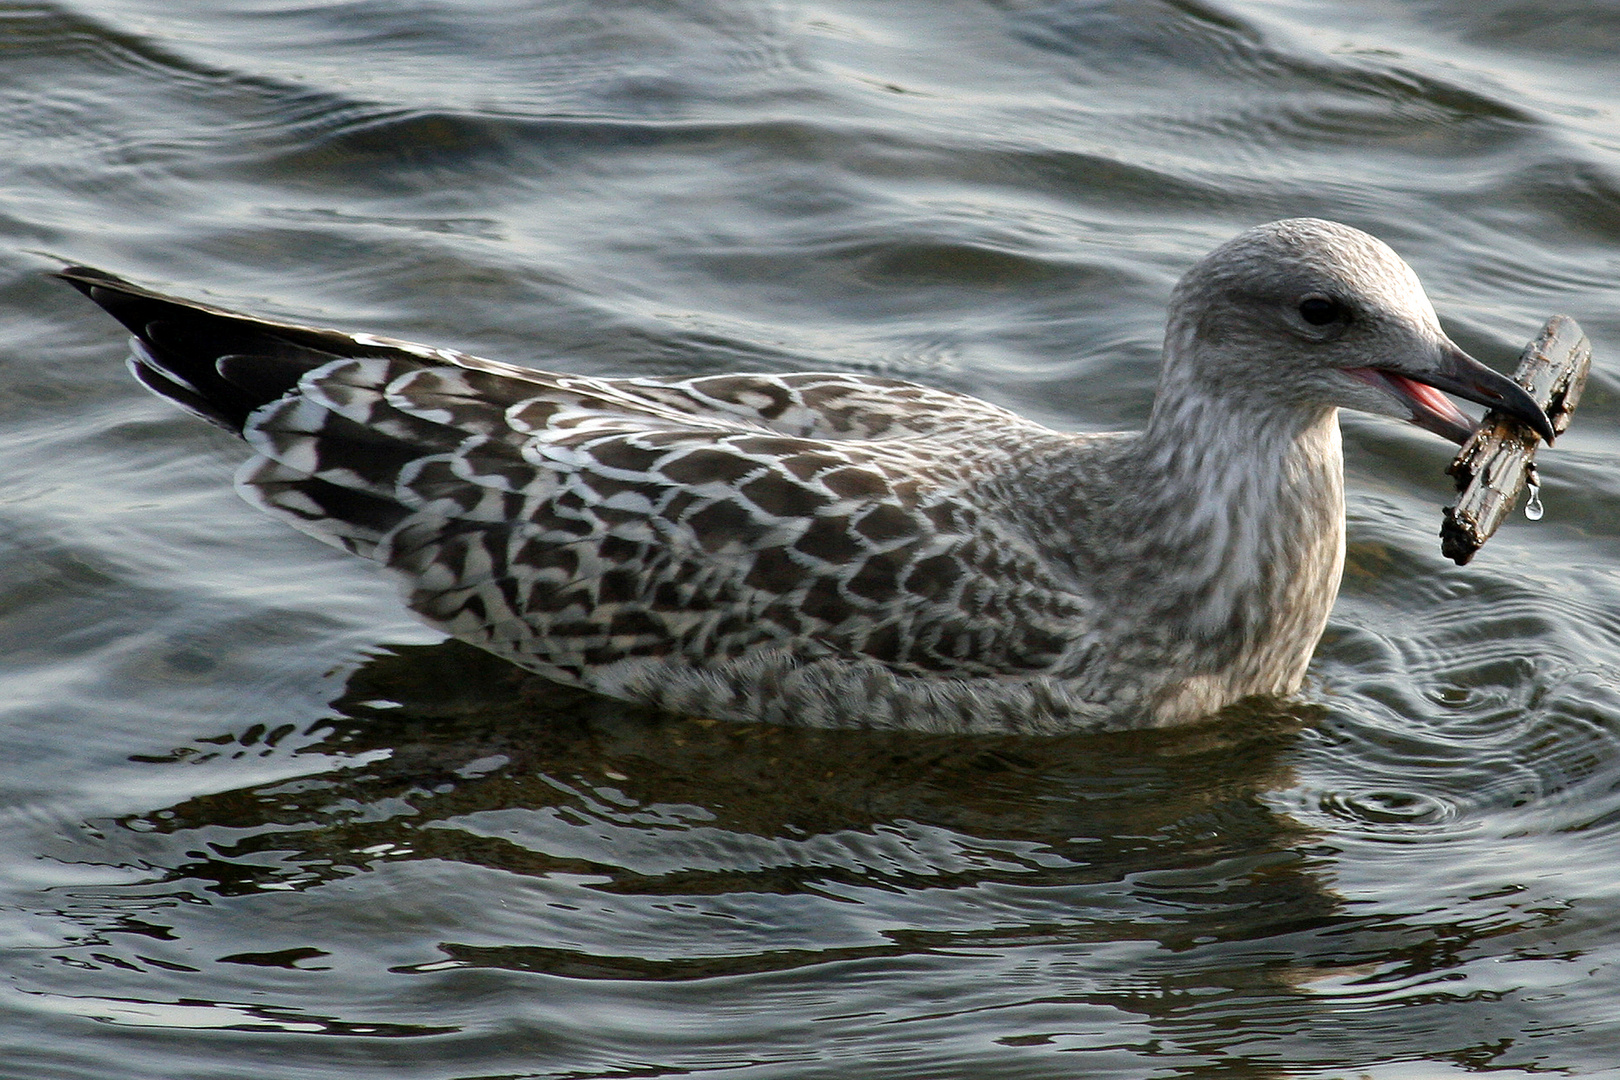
(1460, 374)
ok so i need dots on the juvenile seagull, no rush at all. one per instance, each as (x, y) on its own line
(846, 550)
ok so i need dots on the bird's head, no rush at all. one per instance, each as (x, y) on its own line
(1312, 315)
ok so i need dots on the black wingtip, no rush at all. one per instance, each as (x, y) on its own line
(121, 299)
(219, 364)
(80, 273)
(179, 346)
(87, 279)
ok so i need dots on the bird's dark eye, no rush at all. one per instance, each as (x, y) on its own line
(1320, 310)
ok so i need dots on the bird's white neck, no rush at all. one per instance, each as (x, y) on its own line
(1247, 505)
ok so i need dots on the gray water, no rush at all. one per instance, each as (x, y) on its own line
(257, 823)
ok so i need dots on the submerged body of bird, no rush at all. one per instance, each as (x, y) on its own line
(842, 550)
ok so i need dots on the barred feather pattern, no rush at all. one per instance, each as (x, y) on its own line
(806, 548)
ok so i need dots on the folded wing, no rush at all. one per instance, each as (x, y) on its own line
(570, 522)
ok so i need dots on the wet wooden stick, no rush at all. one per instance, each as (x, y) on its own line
(1497, 461)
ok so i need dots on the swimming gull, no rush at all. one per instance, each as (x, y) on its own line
(846, 550)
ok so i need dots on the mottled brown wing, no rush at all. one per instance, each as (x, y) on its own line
(826, 405)
(540, 517)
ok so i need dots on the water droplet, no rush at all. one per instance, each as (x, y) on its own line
(1533, 509)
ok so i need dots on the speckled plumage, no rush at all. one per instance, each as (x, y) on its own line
(825, 549)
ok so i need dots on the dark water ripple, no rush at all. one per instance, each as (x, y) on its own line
(256, 823)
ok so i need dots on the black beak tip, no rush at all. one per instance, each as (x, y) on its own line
(1499, 393)
(1523, 407)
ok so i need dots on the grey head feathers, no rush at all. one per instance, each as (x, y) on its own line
(843, 550)
(1304, 315)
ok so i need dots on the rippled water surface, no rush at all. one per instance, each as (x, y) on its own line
(257, 823)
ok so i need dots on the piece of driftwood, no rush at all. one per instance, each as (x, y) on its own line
(1499, 459)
